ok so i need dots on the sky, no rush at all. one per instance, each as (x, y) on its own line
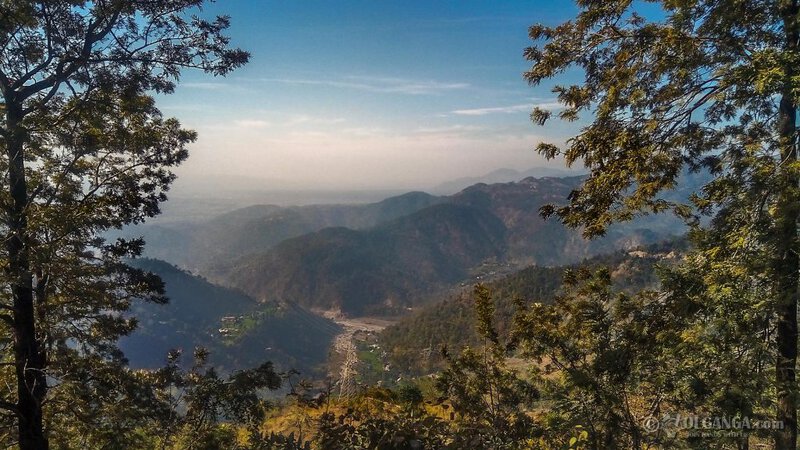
(352, 94)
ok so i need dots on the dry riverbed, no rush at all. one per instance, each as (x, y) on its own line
(344, 366)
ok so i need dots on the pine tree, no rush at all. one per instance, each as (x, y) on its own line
(84, 149)
(695, 84)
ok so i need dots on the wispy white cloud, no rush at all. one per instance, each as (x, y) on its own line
(378, 84)
(527, 107)
(251, 123)
(206, 86)
(472, 20)
(183, 108)
(302, 119)
(448, 129)
(280, 122)
(365, 131)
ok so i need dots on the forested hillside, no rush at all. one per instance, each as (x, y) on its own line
(479, 233)
(237, 331)
(414, 344)
(381, 270)
(210, 246)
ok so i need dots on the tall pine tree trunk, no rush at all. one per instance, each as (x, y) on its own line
(28, 351)
(787, 263)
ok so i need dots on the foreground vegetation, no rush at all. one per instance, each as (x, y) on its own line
(592, 370)
(706, 85)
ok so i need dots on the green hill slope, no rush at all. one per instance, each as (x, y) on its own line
(376, 271)
(210, 246)
(483, 231)
(413, 344)
(238, 331)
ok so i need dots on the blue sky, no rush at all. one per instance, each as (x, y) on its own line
(368, 94)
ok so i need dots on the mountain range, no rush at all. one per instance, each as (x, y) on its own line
(250, 284)
(500, 176)
(389, 257)
(209, 246)
(482, 232)
(380, 270)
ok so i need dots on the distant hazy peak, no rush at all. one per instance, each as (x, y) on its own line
(504, 175)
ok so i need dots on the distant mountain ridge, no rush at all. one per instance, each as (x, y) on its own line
(208, 247)
(389, 256)
(532, 240)
(376, 271)
(500, 176)
(482, 231)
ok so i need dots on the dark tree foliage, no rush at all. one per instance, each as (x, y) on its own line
(207, 398)
(489, 399)
(84, 149)
(382, 418)
(194, 408)
(703, 84)
(593, 350)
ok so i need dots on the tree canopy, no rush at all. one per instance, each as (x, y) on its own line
(84, 149)
(699, 85)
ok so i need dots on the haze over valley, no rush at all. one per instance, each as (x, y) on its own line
(399, 224)
(278, 267)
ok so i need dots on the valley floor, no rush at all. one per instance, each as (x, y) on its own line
(345, 358)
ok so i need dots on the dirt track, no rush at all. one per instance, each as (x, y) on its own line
(345, 345)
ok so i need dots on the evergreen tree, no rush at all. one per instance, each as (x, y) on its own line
(698, 84)
(84, 149)
(490, 399)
